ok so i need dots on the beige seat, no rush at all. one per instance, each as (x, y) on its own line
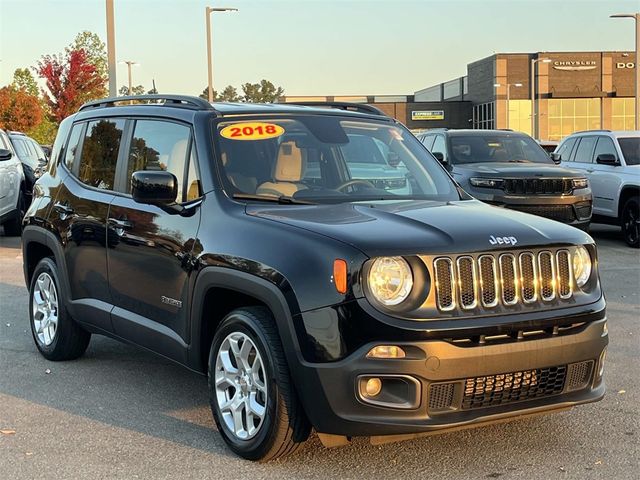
(289, 169)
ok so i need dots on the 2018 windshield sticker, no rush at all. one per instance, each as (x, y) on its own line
(252, 131)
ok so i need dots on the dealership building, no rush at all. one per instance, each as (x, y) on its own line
(548, 95)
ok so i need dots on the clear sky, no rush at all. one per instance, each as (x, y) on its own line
(312, 47)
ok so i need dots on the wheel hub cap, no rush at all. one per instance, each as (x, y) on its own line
(44, 308)
(240, 386)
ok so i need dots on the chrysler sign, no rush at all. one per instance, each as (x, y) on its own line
(574, 65)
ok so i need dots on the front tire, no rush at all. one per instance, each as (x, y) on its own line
(631, 222)
(56, 334)
(252, 398)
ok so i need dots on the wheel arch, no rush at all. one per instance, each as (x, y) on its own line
(627, 192)
(218, 291)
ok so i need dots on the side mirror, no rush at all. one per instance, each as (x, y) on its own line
(393, 159)
(158, 188)
(607, 159)
(5, 154)
(440, 157)
(556, 157)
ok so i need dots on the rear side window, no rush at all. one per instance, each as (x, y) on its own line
(159, 145)
(72, 147)
(585, 150)
(565, 149)
(100, 153)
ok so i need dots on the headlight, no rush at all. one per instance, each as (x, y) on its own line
(581, 266)
(579, 183)
(487, 182)
(390, 280)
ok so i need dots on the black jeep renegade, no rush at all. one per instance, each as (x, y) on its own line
(316, 262)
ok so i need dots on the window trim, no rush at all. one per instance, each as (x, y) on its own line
(595, 148)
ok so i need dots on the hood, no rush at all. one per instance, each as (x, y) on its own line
(420, 227)
(516, 170)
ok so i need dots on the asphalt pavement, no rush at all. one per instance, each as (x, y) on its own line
(120, 412)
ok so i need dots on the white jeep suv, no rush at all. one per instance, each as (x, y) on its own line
(611, 162)
(12, 195)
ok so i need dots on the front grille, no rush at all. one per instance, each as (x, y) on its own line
(492, 390)
(579, 375)
(441, 396)
(538, 186)
(510, 279)
(560, 213)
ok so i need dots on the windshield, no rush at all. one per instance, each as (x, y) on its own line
(496, 148)
(327, 158)
(630, 149)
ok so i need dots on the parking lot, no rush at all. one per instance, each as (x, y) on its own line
(120, 412)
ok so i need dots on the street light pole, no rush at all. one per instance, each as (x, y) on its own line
(208, 11)
(636, 17)
(534, 110)
(111, 50)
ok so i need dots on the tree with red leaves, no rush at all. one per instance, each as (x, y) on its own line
(19, 110)
(71, 80)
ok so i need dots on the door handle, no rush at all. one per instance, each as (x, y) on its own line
(63, 210)
(122, 224)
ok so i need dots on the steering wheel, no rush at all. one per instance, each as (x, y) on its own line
(354, 181)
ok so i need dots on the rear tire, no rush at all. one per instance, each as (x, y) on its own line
(57, 336)
(630, 221)
(249, 375)
(13, 227)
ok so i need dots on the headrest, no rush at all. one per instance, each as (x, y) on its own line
(290, 164)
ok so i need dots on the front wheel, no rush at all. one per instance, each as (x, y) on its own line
(252, 397)
(631, 222)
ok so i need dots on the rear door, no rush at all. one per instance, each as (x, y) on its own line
(605, 180)
(79, 214)
(149, 266)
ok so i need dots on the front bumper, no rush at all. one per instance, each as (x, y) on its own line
(575, 210)
(456, 385)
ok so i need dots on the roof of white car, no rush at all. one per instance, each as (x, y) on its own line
(613, 133)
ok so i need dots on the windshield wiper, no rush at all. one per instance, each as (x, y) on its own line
(282, 199)
(519, 161)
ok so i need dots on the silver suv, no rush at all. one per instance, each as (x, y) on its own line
(12, 188)
(611, 162)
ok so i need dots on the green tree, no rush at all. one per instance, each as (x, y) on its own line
(263, 92)
(45, 132)
(94, 48)
(229, 94)
(23, 80)
(137, 90)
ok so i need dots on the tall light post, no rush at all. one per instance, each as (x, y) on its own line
(636, 17)
(111, 49)
(208, 12)
(534, 109)
(508, 85)
(129, 64)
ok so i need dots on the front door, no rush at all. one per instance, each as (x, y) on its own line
(150, 266)
(605, 180)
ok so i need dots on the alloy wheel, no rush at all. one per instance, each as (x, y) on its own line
(44, 307)
(631, 222)
(240, 386)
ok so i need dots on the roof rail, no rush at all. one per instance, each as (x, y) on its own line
(351, 107)
(184, 101)
(594, 130)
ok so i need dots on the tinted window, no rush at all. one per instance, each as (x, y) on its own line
(427, 140)
(72, 147)
(100, 153)
(40, 155)
(585, 149)
(159, 145)
(630, 147)
(565, 149)
(440, 146)
(503, 148)
(604, 145)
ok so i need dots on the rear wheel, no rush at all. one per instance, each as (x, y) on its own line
(56, 334)
(13, 227)
(631, 222)
(252, 397)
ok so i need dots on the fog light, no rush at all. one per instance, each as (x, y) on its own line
(386, 351)
(603, 356)
(373, 387)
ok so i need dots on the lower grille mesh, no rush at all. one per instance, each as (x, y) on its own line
(441, 396)
(505, 388)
